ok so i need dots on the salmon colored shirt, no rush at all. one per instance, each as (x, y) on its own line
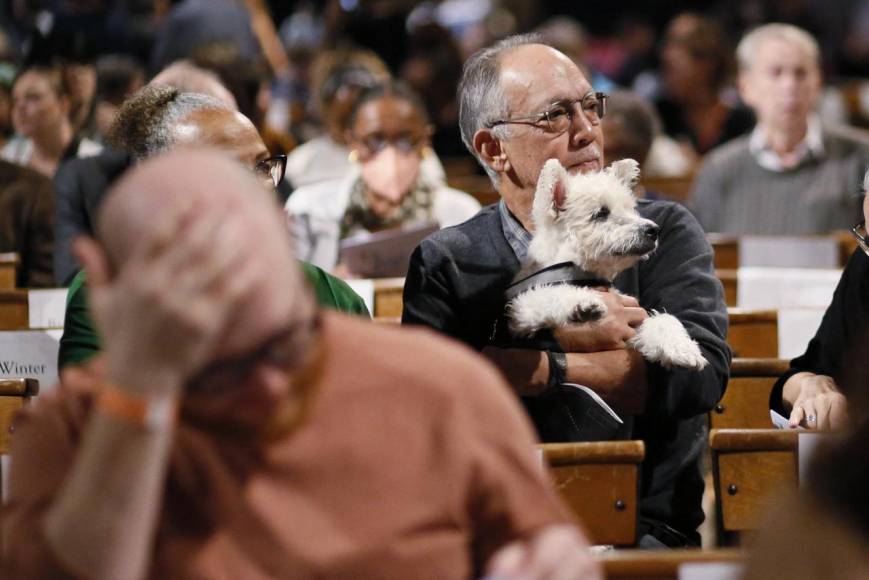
(415, 461)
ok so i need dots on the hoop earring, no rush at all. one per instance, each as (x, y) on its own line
(353, 156)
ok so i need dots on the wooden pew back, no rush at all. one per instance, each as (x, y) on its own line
(600, 482)
(745, 404)
(14, 314)
(753, 333)
(9, 264)
(748, 467)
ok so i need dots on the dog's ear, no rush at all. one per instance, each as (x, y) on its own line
(550, 194)
(627, 171)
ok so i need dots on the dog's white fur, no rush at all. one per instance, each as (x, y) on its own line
(571, 225)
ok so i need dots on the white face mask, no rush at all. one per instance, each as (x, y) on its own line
(391, 173)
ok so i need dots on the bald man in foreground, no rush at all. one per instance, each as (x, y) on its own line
(230, 429)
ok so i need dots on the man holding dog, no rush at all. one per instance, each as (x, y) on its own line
(521, 104)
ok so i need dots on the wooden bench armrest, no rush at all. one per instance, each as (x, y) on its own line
(597, 452)
(758, 367)
(753, 439)
(751, 316)
(660, 563)
(19, 387)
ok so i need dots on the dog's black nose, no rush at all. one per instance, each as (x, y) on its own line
(650, 231)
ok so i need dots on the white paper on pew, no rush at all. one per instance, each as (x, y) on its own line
(711, 571)
(365, 289)
(30, 354)
(796, 327)
(774, 288)
(46, 307)
(788, 252)
(808, 444)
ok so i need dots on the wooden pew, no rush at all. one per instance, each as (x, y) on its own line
(14, 394)
(676, 188)
(729, 280)
(753, 333)
(660, 564)
(600, 482)
(478, 186)
(14, 313)
(749, 466)
(388, 298)
(745, 404)
(726, 249)
(9, 264)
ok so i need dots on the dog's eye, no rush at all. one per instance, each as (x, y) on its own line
(601, 214)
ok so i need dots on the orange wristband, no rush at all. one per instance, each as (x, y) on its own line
(138, 410)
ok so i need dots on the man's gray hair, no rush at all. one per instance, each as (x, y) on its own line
(788, 33)
(481, 100)
(146, 122)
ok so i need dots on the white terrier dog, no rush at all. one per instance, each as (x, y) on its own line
(589, 222)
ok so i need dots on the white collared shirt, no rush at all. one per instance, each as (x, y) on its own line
(811, 147)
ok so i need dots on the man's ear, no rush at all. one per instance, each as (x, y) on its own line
(551, 190)
(489, 149)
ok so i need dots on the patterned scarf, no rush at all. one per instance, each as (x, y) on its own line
(415, 207)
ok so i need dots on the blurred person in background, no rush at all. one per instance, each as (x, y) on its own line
(26, 223)
(792, 175)
(191, 24)
(696, 67)
(336, 79)
(389, 135)
(40, 114)
(568, 36)
(432, 68)
(118, 77)
(632, 130)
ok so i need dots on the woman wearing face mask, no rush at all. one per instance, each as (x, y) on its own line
(388, 137)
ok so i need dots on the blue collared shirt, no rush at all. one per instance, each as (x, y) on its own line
(517, 236)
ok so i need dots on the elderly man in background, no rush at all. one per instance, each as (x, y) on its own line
(522, 103)
(235, 431)
(791, 175)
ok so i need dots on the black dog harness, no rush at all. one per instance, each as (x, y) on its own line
(562, 273)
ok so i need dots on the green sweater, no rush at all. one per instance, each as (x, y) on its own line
(80, 341)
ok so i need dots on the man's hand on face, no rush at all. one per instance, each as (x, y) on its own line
(557, 552)
(611, 332)
(162, 313)
(817, 402)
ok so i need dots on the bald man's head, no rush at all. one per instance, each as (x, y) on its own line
(149, 202)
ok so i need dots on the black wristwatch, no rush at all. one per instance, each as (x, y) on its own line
(557, 368)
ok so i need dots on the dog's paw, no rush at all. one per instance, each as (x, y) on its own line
(588, 312)
(662, 339)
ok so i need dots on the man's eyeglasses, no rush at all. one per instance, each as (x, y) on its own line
(558, 117)
(860, 234)
(271, 170)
